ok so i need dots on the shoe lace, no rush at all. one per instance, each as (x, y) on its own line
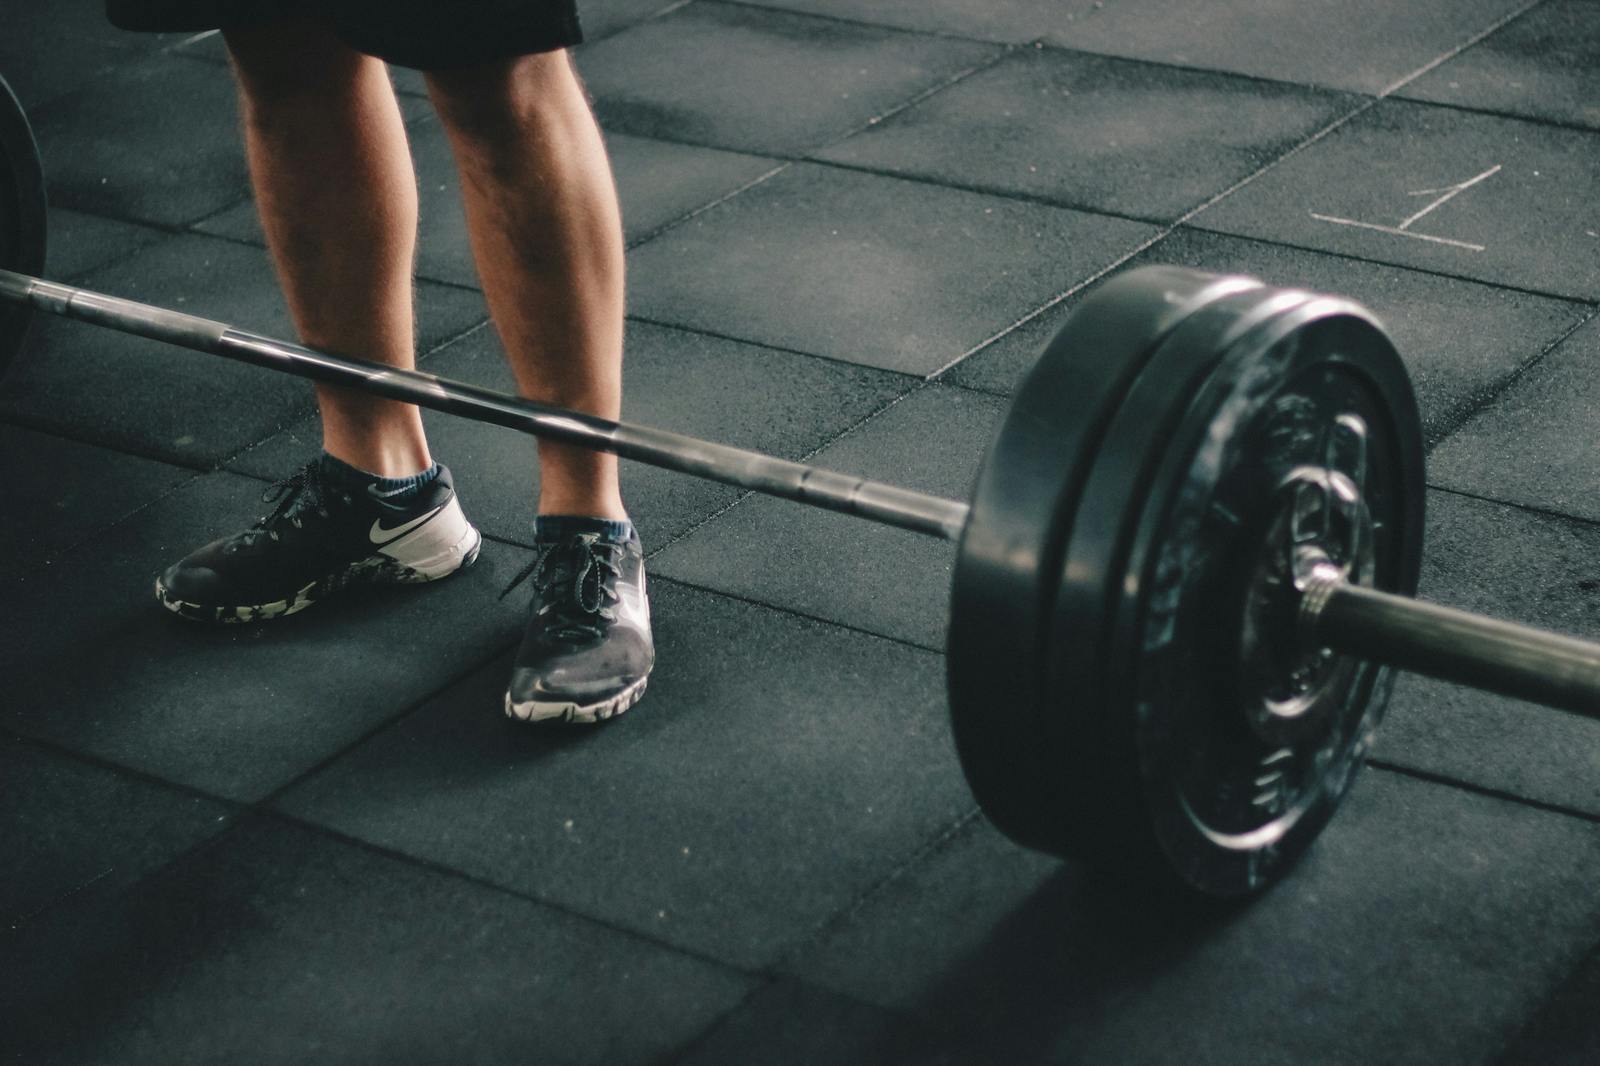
(301, 493)
(575, 582)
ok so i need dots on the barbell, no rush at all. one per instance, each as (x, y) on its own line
(1183, 582)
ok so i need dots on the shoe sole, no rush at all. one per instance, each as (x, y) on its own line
(536, 712)
(377, 569)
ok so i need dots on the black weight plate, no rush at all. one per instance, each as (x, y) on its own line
(1095, 805)
(1190, 775)
(1006, 570)
(22, 215)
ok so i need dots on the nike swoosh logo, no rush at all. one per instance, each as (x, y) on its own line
(379, 535)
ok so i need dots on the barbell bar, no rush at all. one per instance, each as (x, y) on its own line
(1182, 583)
(1452, 645)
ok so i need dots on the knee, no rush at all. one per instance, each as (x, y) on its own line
(488, 106)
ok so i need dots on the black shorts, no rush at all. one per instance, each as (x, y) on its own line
(425, 34)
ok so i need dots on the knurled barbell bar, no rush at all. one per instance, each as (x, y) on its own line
(1181, 584)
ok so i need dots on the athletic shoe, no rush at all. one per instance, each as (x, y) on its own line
(586, 652)
(325, 534)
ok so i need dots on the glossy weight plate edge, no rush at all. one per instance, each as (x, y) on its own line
(1324, 332)
(22, 216)
(1095, 810)
(1023, 502)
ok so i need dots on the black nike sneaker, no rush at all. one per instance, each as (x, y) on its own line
(587, 652)
(324, 534)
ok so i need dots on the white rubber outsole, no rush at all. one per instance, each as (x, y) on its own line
(535, 711)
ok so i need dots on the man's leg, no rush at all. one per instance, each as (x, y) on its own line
(338, 201)
(547, 237)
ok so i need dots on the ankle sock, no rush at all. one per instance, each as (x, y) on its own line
(548, 527)
(393, 489)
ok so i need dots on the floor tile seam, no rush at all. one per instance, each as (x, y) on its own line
(60, 900)
(102, 528)
(1364, 105)
(536, 899)
(131, 54)
(1477, 38)
(1486, 791)
(1045, 43)
(792, 612)
(191, 230)
(1504, 286)
(225, 464)
(1470, 408)
(913, 386)
(980, 189)
(269, 801)
(1189, 226)
(651, 320)
(689, 1044)
(82, 435)
(935, 845)
(184, 854)
(1167, 230)
(234, 813)
(1492, 112)
(671, 224)
(1072, 290)
(194, 227)
(1585, 524)
(846, 20)
(948, 82)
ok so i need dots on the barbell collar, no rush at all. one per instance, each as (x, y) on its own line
(874, 501)
(1452, 645)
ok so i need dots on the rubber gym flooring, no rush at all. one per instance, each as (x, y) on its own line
(851, 223)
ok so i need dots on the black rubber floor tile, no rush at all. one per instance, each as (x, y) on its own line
(1460, 340)
(732, 393)
(788, 1023)
(1564, 1032)
(155, 142)
(1005, 21)
(1095, 133)
(278, 945)
(1362, 45)
(1536, 444)
(780, 82)
(78, 243)
(657, 183)
(839, 568)
(868, 269)
(49, 50)
(94, 663)
(153, 398)
(60, 493)
(1480, 196)
(776, 768)
(1544, 64)
(72, 828)
(1425, 925)
(1527, 568)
